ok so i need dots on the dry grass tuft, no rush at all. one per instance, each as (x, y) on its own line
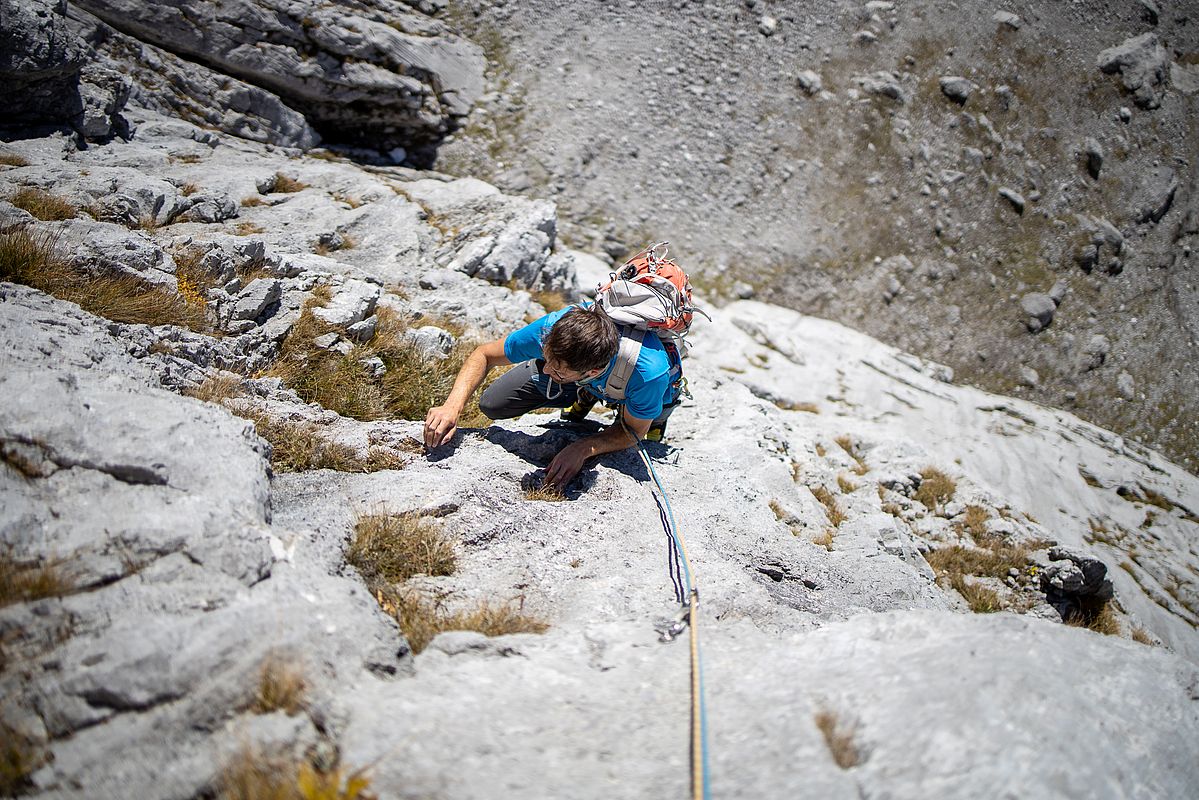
(936, 488)
(544, 493)
(1097, 616)
(43, 205)
(550, 301)
(1142, 636)
(846, 444)
(22, 582)
(390, 548)
(216, 388)
(13, 160)
(810, 408)
(248, 228)
(412, 384)
(33, 259)
(286, 185)
(192, 280)
(188, 189)
(252, 774)
(980, 599)
(252, 201)
(422, 618)
(835, 515)
(839, 738)
(846, 485)
(824, 540)
(975, 523)
(993, 561)
(281, 686)
(18, 761)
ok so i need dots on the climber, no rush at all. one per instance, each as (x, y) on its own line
(569, 359)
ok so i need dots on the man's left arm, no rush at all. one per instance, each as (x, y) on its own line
(615, 437)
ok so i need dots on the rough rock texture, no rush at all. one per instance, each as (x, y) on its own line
(372, 73)
(40, 61)
(1142, 64)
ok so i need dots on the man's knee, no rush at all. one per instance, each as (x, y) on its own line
(493, 406)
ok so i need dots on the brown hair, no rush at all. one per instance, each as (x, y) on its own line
(583, 338)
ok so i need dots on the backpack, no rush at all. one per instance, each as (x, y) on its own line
(649, 293)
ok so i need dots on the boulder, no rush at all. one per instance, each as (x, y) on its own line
(1038, 309)
(382, 77)
(1155, 195)
(431, 341)
(957, 89)
(1095, 352)
(104, 247)
(884, 84)
(103, 93)
(1007, 18)
(1012, 196)
(1093, 152)
(352, 302)
(1075, 573)
(809, 82)
(1141, 63)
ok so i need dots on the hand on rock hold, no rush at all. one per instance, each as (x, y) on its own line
(566, 465)
(440, 424)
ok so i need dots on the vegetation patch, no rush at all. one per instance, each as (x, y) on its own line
(421, 618)
(980, 599)
(18, 761)
(43, 205)
(13, 160)
(288, 185)
(544, 493)
(835, 515)
(33, 259)
(1096, 615)
(296, 446)
(281, 686)
(786, 405)
(392, 548)
(252, 774)
(23, 581)
(839, 736)
(846, 485)
(974, 523)
(936, 488)
(411, 385)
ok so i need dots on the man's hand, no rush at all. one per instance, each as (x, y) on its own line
(567, 464)
(440, 424)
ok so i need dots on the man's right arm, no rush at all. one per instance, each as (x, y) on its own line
(442, 420)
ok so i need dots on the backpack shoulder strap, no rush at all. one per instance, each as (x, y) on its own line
(626, 362)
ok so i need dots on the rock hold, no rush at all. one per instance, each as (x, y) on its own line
(957, 89)
(1013, 197)
(353, 302)
(256, 298)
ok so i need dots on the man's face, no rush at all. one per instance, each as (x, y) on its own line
(562, 373)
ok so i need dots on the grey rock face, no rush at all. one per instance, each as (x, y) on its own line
(349, 70)
(107, 247)
(956, 88)
(103, 93)
(353, 302)
(1007, 18)
(1095, 352)
(1038, 309)
(164, 82)
(40, 61)
(434, 342)
(256, 298)
(1155, 196)
(1141, 63)
(1125, 386)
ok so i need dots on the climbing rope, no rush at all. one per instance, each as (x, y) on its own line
(684, 586)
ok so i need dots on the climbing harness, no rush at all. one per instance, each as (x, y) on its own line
(686, 593)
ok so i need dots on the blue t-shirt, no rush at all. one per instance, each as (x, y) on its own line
(649, 385)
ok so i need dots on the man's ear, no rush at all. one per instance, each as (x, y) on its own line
(595, 373)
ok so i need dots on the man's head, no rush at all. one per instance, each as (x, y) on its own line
(580, 344)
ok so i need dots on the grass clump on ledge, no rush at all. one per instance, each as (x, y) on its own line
(846, 444)
(43, 205)
(839, 738)
(295, 446)
(421, 618)
(13, 160)
(835, 515)
(281, 686)
(1098, 616)
(544, 493)
(252, 774)
(18, 761)
(412, 383)
(390, 548)
(287, 185)
(22, 582)
(32, 259)
(936, 488)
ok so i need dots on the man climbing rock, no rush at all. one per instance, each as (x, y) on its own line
(567, 360)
